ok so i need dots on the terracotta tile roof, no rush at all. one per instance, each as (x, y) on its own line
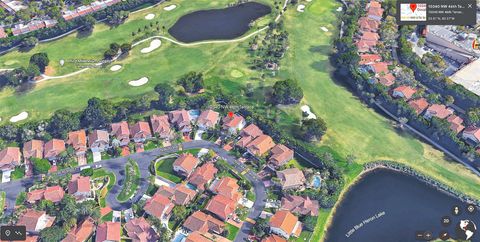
(285, 221)
(139, 230)
(160, 125)
(9, 158)
(369, 59)
(98, 136)
(180, 194)
(252, 130)
(290, 178)
(370, 36)
(53, 148)
(196, 237)
(260, 145)
(281, 154)
(2, 33)
(377, 12)
(35, 195)
(108, 231)
(387, 80)
(78, 139)
(203, 223)
(404, 92)
(187, 162)
(274, 238)
(181, 119)
(221, 206)
(120, 130)
(380, 67)
(54, 194)
(105, 210)
(419, 105)
(158, 206)
(368, 24)
(33, 148)
(439, 110)
(374, 4)
(365, 45)
(244, 141)
(79, 184)
(456, 123)
(232, 122)
(472, 131)
(203, 175)
(208, 118)
(227, 187)
(82, 232)
(140, 129)
(35, 220)
(300, 205)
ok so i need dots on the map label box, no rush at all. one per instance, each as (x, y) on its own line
(436, 12)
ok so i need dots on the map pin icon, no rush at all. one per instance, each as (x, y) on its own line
(413, 6)
(7, 232)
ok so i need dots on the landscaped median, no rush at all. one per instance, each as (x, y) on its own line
(132, 179)
(108, 177)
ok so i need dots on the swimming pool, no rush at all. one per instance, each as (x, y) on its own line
(317, 181)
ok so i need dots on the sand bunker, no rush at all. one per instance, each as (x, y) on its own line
(115, 67)
(170, 8)
(324, 29)
(139, 82)
(21, 116)
(153, 45)
(306, 109)
(301, 8)
(150, 16)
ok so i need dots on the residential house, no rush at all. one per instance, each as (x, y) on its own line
(370, 36)
(108, 231)
(139, 230)
(281, 154)
(438, 110)
(419, 105)
(35, 195)
(185, 164)
(35, 221)
(379, 68)
(161, 126)
(10, 157)
(180, 194)
(300, 205)
(472, 134)
(202, 176)
(140, 132)
(33, 148)
(227, 187)
(368, 59)
(208, 119)
(121, 132)
(274, 238)
(244, 141)
(78, 140)
(53, 148)
(99, 140)
(252, 131)
(79, 187)
(197, 237)
(405, 92)
(375, 11)
(285, 224)
(456, 123)
(203, 223)
(260, 145)
(386, 80)
(222, 207)
(291, 178)
(2, 33)
(181, 120)
(365, 46)
(368, 25)
(81, 232)
(159, 206)
(233, 124)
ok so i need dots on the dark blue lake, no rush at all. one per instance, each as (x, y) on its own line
(390, 206)
(218, 24)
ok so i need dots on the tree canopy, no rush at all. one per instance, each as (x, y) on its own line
(41, 60)
(312, 129)
(287, 92)
(192, 82)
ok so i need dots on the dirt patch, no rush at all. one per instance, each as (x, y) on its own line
(49, 71)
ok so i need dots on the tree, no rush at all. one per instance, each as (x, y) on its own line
(98, 113)
(41, 60)
(312, 129)
(87, 172)
(29, 42)
(165, 94)
(309, 223)
(53, 233)
(88, 23)
(192, 82)
(287, 92)
(126, 47)
(117, 18)
(62, 122)
(32, 71)
(179, 212)
(40, 166)
(261, 227)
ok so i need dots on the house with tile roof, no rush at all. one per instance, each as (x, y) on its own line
(53, 148)
(202, 176)
(35, 221)
(78, 140)
(79, 187)
(159, 206)
(197, 237)
(386, 80)
(139, 230)
(419, 105)
(244, 141)
(2, 33)
(281, 154)
(99, 140)
(292, 178)
(54, 194)
(367, 59)
(227, 187)
(108, 231)
(300, 205)
(405, 92)
(252, 131)
(121, 132)
(81, 232)
(456, 123)
(35, 195)
(33, 148)
(375, 13)
(368, 25)
(260, 145)
(472, 134)
(161, 126)
(379, 68)
(365, 45)
(274, 238)
(185, 164)
(10, 157)
(203, 223)
(438, 110)
(180, 194)
(222, 207)
(285, 224)
(208, 119)
(181, 120)
(233, 124)
(140, 132)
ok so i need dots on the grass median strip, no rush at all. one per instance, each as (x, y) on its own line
(132, 179)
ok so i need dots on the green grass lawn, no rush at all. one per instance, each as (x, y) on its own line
(108, 217)
(18, 173)
(232, 231)
(164, 168)
(102, 194)
(132, 178)
(2, 201)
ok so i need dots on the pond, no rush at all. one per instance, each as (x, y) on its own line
(218, 24)
(390, 206)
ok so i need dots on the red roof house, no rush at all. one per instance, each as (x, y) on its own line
(140, 132)
(221, 206)
(139, 230)
(78, 140)
(108, 231)
(208, 119)
(185, 164)
(81, 232)
(281, 154)
(9, 158)
(121, 132)
(419, 105)
(405, 92)
(285, 224)
(53, 148)
(202, 176)
(161, 126)
(438, 110)
(159, 206)
(260, 145)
